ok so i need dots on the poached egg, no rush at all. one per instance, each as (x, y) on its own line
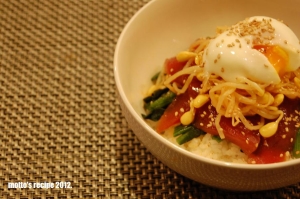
(259, 48)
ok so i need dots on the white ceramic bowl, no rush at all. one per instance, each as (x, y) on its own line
(161, 29)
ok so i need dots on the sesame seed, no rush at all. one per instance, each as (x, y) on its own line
(176, 113)
(283, 136)
(201, 124)
(281, 155)
(287, 154)
(181, 110)
(292, 139)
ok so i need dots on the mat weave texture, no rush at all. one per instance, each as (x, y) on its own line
(59, 117)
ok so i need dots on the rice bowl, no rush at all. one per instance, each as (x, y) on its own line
(161, 42)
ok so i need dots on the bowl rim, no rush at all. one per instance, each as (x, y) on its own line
(122, 96)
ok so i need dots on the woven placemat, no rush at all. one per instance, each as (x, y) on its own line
(60, 123)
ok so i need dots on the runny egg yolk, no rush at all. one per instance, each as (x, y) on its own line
(276, 56)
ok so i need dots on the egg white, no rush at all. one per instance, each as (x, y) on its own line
(231, 55)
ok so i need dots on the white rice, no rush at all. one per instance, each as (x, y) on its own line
(205, 146)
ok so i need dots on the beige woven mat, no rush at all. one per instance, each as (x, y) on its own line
(59, 119)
